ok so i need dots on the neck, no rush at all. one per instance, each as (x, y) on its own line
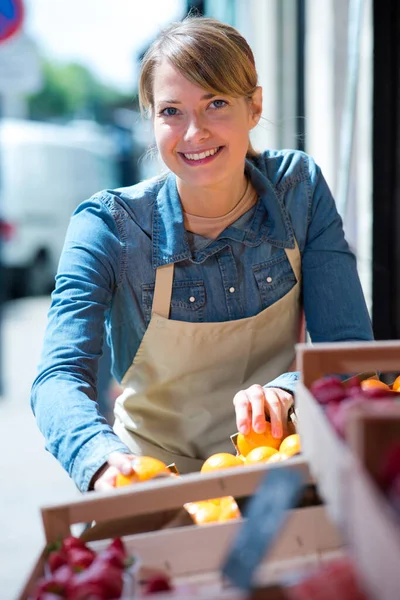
(214, 201)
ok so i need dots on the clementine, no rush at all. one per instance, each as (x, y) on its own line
(229, 509)
(247, 442)
(260, 454)
(278, 457)
(206, 513)
(144, 468)
(367, 384)
(222, 460)
(291, 445)
(396, 384)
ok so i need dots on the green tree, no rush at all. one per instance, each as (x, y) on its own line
(72, 90)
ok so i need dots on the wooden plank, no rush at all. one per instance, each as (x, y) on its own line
(315, 361)
(160, 495)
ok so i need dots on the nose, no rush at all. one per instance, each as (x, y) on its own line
(196, 129)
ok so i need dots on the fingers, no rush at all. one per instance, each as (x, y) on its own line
(257, 401)
(278, 403)
(122, 462)
(250, 409)
(118, 462)
(273, 406)
(106, 481)
(253, 404)
(243, 413)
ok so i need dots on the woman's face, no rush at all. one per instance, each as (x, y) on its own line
(203, 138)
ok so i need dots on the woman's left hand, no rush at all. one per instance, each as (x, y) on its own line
(252, 406)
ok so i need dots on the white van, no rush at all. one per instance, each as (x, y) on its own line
(46, 170)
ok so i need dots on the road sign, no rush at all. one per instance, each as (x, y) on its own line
(11, 18)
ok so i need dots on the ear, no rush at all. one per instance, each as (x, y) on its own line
(255, 106)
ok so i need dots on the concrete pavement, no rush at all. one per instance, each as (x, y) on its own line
(29, 476)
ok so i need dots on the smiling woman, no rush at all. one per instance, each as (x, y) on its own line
(201, 276)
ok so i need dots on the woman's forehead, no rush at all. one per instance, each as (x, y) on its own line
(169, 84)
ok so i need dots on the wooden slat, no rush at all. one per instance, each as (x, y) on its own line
(159, 495)
(315, 361)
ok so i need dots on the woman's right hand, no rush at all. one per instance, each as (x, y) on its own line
(118, 462)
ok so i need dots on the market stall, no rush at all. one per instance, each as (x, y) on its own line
(285, 538)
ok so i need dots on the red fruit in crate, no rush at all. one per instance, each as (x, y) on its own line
(60, 583)
(328, 390)
(48, 596)
(112, 556)
(390, 466)
(353, 383)
(159, 583)
(108, 577)
(338, 413)
(72, 542)
(80, 558)
(87, 591)
(57, 559)
(119, 545)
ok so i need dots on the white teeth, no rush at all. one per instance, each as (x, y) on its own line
(201, 155)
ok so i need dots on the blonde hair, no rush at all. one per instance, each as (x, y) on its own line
(208, 53)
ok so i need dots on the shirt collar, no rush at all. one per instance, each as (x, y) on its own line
(270, 222)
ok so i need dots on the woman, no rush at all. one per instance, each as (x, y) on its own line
(201, 276)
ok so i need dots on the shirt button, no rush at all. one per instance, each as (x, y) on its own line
(192, 299)
(269, 279)
(231, 289)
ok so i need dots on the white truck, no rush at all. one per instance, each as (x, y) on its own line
(46, 170)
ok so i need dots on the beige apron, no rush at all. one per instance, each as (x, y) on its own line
(177, 399)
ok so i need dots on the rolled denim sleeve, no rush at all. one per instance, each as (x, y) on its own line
(286, 381)
(64, 392)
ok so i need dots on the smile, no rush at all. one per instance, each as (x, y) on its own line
(200, 157)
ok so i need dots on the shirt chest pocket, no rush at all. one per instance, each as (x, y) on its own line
(187, 301)
(274, 279)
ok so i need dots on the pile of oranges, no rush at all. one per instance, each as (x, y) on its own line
(251, 449)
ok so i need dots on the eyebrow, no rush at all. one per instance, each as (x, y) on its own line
(204, 97)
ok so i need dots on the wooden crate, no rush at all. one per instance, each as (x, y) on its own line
(344, 471)
(194, 554)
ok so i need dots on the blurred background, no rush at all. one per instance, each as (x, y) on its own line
(70, 126)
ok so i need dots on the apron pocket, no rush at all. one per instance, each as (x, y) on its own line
(275, 278)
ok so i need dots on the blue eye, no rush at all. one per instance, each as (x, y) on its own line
(170, 111)
(219, 103)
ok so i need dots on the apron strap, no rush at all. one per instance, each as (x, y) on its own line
(294, 257)
(163, 290)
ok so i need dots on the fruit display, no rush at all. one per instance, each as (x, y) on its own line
(75, 571)
(337, 397)
(252, 448)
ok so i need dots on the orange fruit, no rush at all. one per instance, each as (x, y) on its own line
(291, 445)
(396, 384)
(260, 454)
(247, 443)
(222, 460)
(207, 512)
(278, 457)
(367, 384)
(229, 509)
(242, 458)
(144, 468)
(193, 507)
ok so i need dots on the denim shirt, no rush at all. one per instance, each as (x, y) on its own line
(118, 238)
